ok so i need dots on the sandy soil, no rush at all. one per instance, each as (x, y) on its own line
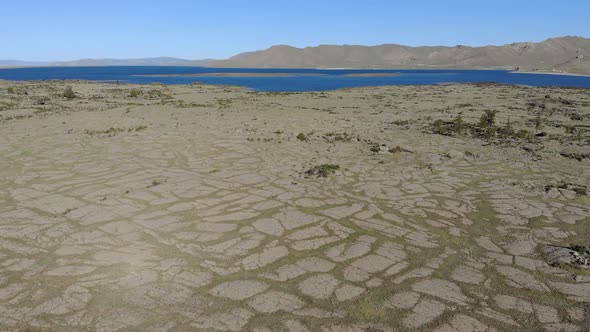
(178, 208)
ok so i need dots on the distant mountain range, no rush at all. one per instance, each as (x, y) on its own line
(568, 54)
(161, 61)
(563, 54)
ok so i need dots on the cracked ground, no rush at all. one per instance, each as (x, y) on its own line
(181, 208)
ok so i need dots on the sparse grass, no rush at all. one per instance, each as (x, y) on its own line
(302, 137)
(137, 128)
(367, 310)
(224, 103)
(338, 137)
(112, 130)
(17, 90)
(575, 156)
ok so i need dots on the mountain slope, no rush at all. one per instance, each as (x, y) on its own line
(18, 63)
(562, 54)
(160, 61)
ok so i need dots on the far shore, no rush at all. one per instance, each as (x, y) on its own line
(372, 75)
(268, 75)
(233, 75)
(547, 73)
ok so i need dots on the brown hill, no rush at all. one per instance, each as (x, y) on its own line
(567, 54)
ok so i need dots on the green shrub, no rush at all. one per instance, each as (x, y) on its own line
(134, 93)
(322, 170)
(582, 249)
(69, 93)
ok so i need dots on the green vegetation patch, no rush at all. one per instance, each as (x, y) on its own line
(338, 137)
(486, 128)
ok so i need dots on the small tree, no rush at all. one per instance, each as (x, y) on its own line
(69, 93)
(488, 119)
(538, 122)
(507, 130)
(459, 124)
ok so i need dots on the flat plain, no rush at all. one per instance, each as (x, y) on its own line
(196, 207)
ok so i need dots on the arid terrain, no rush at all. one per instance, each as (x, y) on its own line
(181, 208)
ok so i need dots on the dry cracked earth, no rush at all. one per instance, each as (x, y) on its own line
(181, 208)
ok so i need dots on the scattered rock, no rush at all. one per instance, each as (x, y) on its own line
(575, 256)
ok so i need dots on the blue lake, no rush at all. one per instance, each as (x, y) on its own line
(290, 79)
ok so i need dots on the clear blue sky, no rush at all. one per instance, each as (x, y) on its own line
(66, 30)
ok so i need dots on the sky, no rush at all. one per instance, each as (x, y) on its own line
(54, 30)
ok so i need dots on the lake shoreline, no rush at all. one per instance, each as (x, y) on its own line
(548, 73)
